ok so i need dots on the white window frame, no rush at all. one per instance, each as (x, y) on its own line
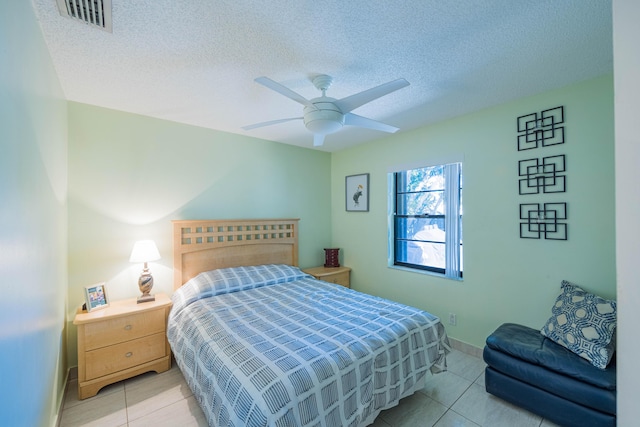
(453, 243)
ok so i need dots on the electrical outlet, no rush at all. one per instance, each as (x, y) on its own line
(453, 319)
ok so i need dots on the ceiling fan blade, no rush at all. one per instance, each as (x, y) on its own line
(318, 139)
(352, 102)
(283, 90)
(363, 122)
(269, 123)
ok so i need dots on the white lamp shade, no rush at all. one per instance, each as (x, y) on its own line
(144, 251)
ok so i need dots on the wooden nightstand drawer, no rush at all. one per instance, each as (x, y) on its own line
(120, 329)
(121, 341)
(337, 275)
(338, 278)
(117, 357)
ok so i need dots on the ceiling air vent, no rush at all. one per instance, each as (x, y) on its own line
(96, 13)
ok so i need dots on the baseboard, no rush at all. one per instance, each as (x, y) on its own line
(72, 374)
(466, 348)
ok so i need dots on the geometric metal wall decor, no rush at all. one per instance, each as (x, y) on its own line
(542, 176)
(541, 130)
(544, 221)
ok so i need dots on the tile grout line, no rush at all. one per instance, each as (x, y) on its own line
(462, 394)
(441, 417)
(126, 404)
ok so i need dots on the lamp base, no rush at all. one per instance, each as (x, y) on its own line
(145, 283)
(146, 298)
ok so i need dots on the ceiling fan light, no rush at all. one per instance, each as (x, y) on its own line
(324, 127)
(323, 121)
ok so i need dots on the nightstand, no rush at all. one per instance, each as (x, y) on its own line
(121, 341)
(337, 275)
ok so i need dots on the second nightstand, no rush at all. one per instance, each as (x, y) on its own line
(337, 275)
(121, 341)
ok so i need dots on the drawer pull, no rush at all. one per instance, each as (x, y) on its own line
(128, 327)
(129, 354)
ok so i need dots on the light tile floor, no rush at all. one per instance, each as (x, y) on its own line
(453, 398)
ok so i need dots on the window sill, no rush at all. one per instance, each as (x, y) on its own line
(426, 272)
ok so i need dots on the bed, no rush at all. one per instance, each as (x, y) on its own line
(261, 343)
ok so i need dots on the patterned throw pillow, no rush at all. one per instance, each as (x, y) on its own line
(584, 323)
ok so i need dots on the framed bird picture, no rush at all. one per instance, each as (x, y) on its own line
(357, 193)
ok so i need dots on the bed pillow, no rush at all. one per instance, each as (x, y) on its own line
(227, 280)
(584, 323)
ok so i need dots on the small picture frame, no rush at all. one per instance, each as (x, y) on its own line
(357, 193)
(96, 296)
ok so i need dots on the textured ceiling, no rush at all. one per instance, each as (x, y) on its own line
(195, 61)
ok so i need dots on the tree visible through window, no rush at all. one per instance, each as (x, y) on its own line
(427, 219)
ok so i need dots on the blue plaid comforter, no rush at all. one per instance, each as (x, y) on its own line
(271, 346)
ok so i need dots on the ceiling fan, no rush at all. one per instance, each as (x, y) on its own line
(325, 115)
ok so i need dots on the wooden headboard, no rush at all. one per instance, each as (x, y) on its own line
(202, 245)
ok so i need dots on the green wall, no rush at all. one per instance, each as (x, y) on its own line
(506, 279)
(130, 175)
(33, 223)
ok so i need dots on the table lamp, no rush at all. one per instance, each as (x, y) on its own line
(145, 251)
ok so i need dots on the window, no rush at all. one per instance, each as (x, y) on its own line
(427, 219)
